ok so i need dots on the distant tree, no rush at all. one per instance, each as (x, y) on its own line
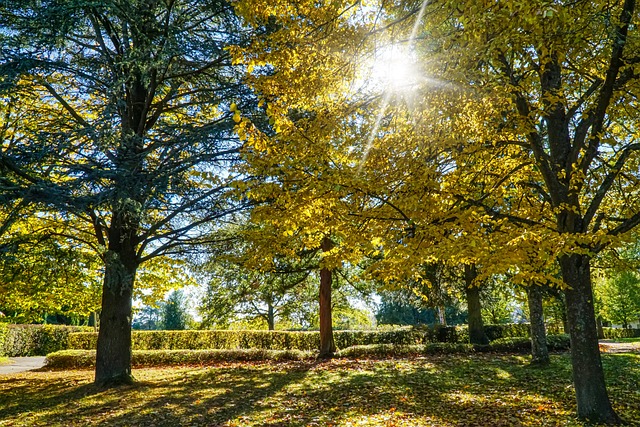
(619, 297)
(147, 318)
(174, 312)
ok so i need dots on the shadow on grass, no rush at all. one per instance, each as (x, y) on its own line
(442, 391)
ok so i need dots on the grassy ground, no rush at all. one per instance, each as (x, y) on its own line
(477, 390)
(629, 340)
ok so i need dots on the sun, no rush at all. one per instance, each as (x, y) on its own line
(394, 68)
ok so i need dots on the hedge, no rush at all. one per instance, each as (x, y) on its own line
(38, 340)
(523, 345)
(273, 340)
(78, 359)
(391, 350)
(34, 340)
(617, 333)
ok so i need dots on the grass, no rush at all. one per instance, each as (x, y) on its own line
(4, 360)
(637, 339)
(444, 390)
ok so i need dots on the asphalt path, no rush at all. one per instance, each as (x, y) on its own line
(22, 364)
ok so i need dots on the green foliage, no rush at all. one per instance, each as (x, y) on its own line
(615, 333)
(510, 330)
(404, 307)
(619, 298)
(391, 350)
(147, 318)
(291, 340)
(72, 359)
(174, 312)
(36, 340)
(42, 275)
(523, 345)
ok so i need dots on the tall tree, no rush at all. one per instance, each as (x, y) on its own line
(136, 95)
(521, 132)
(554, 85)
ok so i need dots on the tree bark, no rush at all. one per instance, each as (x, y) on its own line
(539, 350)
(477, 334)
(599, 326)
(327, 344)
(113, 355)
(588, 376)
(271, 321)
(442, 315)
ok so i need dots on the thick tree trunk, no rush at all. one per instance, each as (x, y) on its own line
(477, 334)
(327, 345)
(588, 376)
(271, 321)
(113, 356)
(539, 350)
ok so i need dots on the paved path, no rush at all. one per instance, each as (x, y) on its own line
(21, 364)
(610, 346)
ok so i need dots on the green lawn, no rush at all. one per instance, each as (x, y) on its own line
(476, 390)
(629, 339)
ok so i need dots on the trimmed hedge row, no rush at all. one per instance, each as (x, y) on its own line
(523, 345)
(78, 359)
(39, 340)
(292, 340)
(616, 333)
(35, 340)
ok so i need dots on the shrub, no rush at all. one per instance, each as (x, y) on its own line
(558, 342)
(77, 359)
(390, 350)
(36, 340)
(523, 345)
(616, 333)
(510, 330)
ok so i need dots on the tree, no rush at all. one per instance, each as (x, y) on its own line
(529, 138)
(43, 274)
(147, 318)
(237, 288)
(556, 83)
(620, 298)
(134, 100)
(174, 312)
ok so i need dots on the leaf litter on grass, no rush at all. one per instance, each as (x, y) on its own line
(470, 390)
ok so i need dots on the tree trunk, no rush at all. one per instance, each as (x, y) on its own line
(476, 326)
(599, 326)
(539, 350)
(563, 312)
(271, 321)
(588, 376)
(327, 345)
(442, 315)
(113, 355)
